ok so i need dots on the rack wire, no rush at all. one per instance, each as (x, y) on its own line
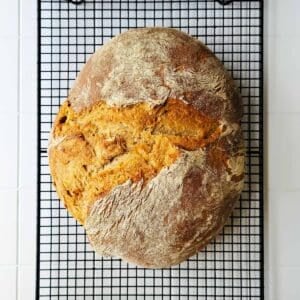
(231, 267)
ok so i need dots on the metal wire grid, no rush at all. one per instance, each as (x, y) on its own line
(231, 267)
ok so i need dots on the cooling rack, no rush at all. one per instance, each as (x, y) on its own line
(231, 267)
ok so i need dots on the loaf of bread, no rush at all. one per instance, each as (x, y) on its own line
(147, 151)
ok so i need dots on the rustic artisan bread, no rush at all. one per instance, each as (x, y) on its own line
(147, 151)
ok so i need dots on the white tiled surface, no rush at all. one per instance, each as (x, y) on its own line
(18, 46)
(282, 153)
(8, 79)
(18, 163)
(284, 149)
(26, 290)
(27, 226)
(8, 275)
(8, 153)
(8, 227)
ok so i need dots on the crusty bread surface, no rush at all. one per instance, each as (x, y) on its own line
(147, 151)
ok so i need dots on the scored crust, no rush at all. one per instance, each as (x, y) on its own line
(104, 146)
(147, 151)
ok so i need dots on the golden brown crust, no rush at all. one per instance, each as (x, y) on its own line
(147, 152)
(102, 147)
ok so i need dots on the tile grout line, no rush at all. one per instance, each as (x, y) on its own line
(18, 150)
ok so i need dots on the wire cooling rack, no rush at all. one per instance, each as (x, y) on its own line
(231, 267)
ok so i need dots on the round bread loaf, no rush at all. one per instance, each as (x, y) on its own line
(147, 152)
